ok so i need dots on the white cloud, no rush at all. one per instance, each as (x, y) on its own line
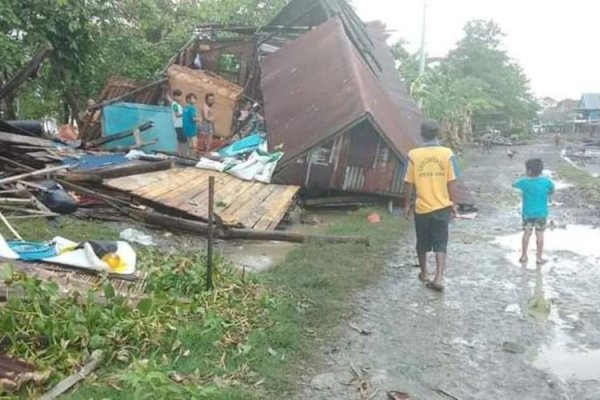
(554, 40)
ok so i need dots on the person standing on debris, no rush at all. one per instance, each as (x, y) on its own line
(190, 122)
(431, 176)
(207, 127)
(536, 190)
(177, 111)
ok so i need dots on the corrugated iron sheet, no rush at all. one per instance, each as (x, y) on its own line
(319, 86)
(391, 81)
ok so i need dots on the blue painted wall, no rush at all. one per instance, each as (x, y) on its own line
(120, 117)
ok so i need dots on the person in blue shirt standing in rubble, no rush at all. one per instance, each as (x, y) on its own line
(190, 122)
(177, 112)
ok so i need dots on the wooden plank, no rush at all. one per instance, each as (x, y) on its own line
(277, 209)
(185, 192)
(119, 171)
(191, 191)
(20, 139)
(248, 216)
(196, 202)
(171, 182)
(230, 216)
(133, 182)
(233, 192)
(199, 181)
(267, 207)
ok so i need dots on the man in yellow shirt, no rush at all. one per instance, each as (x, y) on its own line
(431, 175)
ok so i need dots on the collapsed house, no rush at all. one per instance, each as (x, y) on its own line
(338, 126)
(332, 98)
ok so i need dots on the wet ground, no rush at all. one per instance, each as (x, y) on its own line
(500, 330)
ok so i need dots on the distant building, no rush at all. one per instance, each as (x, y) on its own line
(547, 103)
(558, 118)
(588, 113)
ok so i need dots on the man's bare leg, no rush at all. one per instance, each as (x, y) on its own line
(525, 246)
(423, 275)
(440, 260)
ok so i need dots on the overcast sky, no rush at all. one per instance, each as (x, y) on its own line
(555, 41)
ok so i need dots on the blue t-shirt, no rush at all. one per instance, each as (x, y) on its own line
(535, 196)
(190, 113)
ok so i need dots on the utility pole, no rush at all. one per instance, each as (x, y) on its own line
(423, 31)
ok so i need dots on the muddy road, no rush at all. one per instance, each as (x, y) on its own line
(499, 331)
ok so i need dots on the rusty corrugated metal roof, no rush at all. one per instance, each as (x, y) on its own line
(391, 80)
(319, 86)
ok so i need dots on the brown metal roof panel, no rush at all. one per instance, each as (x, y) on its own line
(310, 90)
(319, 85)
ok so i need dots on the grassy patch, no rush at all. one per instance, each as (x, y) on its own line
(316, 282)
(245, 340)
(581, 179)
(71, 228)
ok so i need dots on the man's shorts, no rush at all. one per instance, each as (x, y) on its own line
(432, 231)
(207, 128)
(539, 224)
(181, 138)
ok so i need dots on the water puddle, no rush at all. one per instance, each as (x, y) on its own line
(579, 239)
(565, 358)
(257, 256)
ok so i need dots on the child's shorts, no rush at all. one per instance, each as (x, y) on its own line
(539, 224)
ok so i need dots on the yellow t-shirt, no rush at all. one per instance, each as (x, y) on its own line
(430, 169)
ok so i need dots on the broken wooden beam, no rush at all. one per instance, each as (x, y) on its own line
(27, 140)
(66, 384)
(38, 172)
(118, 171)
(294, 237)
(247, 234)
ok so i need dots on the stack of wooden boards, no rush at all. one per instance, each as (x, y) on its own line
(159, 187)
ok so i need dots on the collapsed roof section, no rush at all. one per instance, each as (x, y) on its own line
(311, 13)
(319, 86)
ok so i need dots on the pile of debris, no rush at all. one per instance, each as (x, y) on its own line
(312, 100)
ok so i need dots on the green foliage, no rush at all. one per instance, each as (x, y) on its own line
(477, 80)
(94, 39)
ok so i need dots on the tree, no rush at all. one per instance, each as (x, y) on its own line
(94, 39)
(477, 80)
(479, 55)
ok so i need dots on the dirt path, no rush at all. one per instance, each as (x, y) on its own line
(499, 331)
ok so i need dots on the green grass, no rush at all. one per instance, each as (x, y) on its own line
(294, 306)
(589, 184)
(317, 281)
(71, 228)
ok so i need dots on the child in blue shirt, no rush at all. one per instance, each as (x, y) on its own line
(190, 121)
(536, 190)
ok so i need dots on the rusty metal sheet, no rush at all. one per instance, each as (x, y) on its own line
(319, 86)
(391, 80)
